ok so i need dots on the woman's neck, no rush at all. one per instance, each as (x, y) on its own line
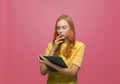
(66, 40)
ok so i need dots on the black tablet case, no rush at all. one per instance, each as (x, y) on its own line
(55, 60)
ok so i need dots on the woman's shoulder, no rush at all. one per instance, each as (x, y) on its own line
(79, 44)
(50, 44)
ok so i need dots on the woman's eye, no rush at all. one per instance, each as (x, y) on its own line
(64, 27)
(58, 28)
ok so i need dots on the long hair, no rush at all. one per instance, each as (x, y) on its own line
(71, 38)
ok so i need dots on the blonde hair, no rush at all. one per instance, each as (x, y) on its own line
(71, 38)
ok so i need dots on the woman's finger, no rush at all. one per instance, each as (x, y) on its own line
(60, 42)
(59, 35)
(39, 59)
(59, 39)
(43, 58)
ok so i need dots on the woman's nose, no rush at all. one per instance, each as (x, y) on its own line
(60, 30)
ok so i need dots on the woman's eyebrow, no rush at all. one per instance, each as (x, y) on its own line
(61, 26)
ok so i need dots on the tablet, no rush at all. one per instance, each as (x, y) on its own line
(56, 60)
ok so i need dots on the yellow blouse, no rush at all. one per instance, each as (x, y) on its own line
(76, 58)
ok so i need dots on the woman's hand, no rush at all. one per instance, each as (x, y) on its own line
(43, 68)
(43, 60)
(58, 41)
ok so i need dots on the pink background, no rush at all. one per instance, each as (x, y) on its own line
(26, 26)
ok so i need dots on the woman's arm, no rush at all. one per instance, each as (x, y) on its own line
(58, 41)
(52, 52)
(72, 71)
(43, 68)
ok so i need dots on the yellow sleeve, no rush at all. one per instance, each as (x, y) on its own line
(48, 49)
(78, 58)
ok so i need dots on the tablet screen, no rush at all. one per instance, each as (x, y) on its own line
(56, 60)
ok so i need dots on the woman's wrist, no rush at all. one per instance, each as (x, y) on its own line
(53, 51)
(54, 47)
(43, 69)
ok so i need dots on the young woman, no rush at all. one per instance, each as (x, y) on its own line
(65, 45)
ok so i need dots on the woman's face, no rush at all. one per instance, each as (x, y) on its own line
(63, 28)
